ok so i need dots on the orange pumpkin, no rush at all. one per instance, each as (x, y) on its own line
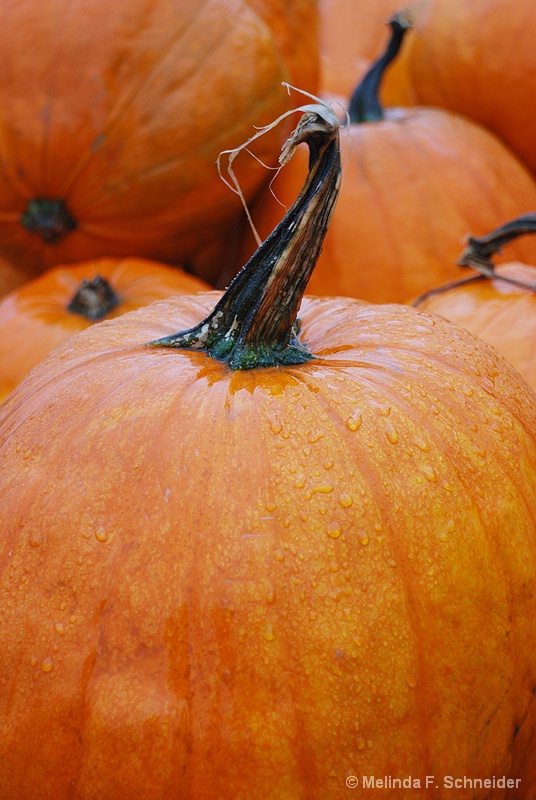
(499, 305)
(222, 582)
(112, 124)
(415, 182)
(352, 33)
(39, 315)
(475, 57)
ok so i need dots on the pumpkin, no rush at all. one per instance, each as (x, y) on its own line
(352, 33)
(475, 57)
(264, 554)
(98, 153)
(416, 181)
(40, 314)
(499, 304)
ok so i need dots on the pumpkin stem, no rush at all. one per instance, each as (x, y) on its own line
(479, 250)
(254, 322)
(477, 256)
(93, 299)
(49, 219)
(365, 103)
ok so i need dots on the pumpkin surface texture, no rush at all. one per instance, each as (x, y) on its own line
(251, 559)
(110, 132)
(37, 316)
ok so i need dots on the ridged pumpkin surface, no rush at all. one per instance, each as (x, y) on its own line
(243, 585)
(115, 118)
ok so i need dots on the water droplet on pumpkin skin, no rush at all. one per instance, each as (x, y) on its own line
(429, 473)
(269, 634)
(47, 665)
(270, 592)
(275, 426)
(422, 445)
(391, 433)
(363, 537)
(334, 530)
(345, 500)
(59, 627)
(101, 535)
(353, 423)
(35, 538)
(323, 488)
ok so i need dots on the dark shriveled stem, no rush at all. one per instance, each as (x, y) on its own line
(254, 323)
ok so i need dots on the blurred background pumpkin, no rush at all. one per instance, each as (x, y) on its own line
(113, 118)
(45, 311)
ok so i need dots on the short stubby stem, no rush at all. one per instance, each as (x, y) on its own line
(94, 299)
(48, 218)
(255, 322)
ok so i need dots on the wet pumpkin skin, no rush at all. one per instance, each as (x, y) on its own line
(252, 584)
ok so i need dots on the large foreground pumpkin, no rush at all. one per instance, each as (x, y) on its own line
(254, 584)
(113, 118)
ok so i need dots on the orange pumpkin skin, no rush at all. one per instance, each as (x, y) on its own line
(34, 318)
(352, 33)
(408, 199)
(254, 584)
(502, 314)
(127, 131)
(475, 57)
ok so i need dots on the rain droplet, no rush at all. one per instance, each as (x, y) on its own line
(59, 627)
(35, 538)
(279, 555)
(47, 664)
(429, 473)
(391, 433)
(363, 537)
(101, 534)
(422, 445)
(269, 634)
(275, 426)
(411, 682)
(345, 500)
(353, 423)
(270, 591)
(334, 530)
(323, 488)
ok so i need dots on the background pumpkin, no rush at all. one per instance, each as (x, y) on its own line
(352, 33)
(112, 122)
(284, 575)
(39, 315)
(475, 57)
(499, 306)
(415, 182)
